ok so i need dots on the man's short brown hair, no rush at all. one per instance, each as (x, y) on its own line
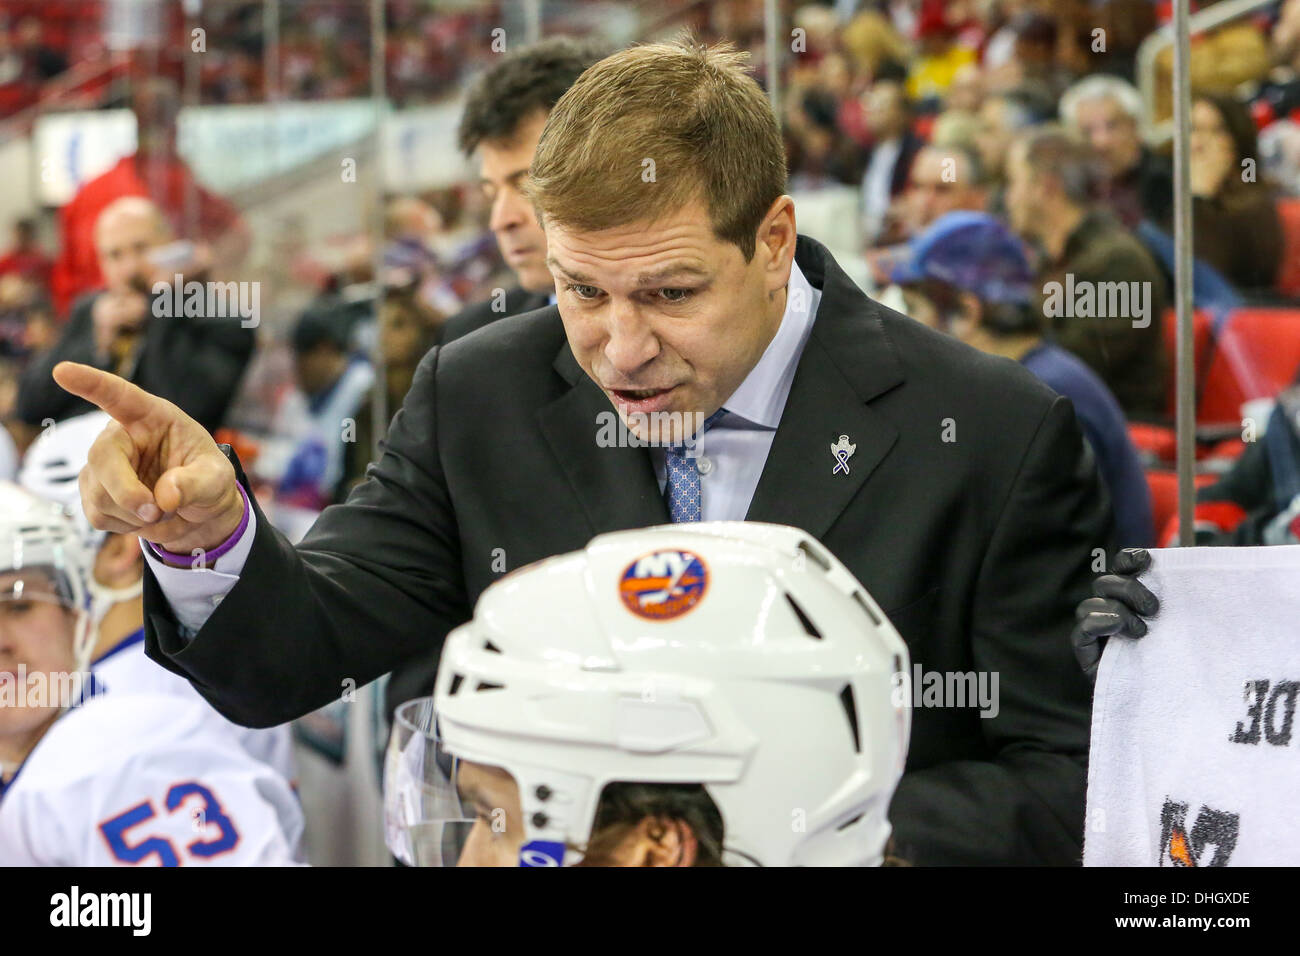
(651, 128)
(1053, 151)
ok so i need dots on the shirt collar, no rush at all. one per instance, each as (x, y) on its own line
(760, 399)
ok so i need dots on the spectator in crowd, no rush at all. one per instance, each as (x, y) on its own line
(25, 322)
(305, 457)
(410, 225)
(1221, 60)
(1235, 223)
(131, 330)
(889, 163)
(503, 119)
(1022, 53)
(155, 171)
(1284, 44)
(816, 147)
(955, 127)
(1089, 259)
(969, 276)
(25, 257)
(408, 328)
(871, 41)
(41, 61)
(943, 180)
(1002, 117)
(1104, 111)
(1257, 501)
(939, 56)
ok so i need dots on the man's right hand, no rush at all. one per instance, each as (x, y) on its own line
(114, 313)
(1118, 609)
(153, 470)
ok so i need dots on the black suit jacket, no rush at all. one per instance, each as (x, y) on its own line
(474, 317)
(978, 547)
(195, 362)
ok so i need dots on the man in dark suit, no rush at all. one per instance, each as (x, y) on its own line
(131, 327)
(690, 317)
(503, 119)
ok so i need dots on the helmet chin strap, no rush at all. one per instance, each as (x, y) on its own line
(102, 598)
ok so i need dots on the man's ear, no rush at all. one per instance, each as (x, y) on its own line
(776, 241)
(119, 561)
(662, 841)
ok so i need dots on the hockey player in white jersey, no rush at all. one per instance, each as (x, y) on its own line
(90, 779)
(689, 695)
(115, 577)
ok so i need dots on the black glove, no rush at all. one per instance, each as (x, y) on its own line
(1119, 607)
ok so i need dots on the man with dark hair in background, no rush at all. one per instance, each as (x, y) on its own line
(1087, 256)
(503, 120)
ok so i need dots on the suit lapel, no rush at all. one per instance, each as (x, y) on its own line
(616, 486)
(799, 485)
(848, 361)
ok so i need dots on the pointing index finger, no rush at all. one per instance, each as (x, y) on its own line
(126, 403)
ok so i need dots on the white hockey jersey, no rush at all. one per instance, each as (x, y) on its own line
(146, 780)
(126, 669)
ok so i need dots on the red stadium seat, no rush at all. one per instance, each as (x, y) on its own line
(1164, 496)
(1288, 274)
(1256, 355)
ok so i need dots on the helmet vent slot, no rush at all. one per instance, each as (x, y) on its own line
(851, 710)
(806, 621)
(486, 685)
(815, 554)
(848, 823)
(456, 681)
(491, 648)
(871, 613)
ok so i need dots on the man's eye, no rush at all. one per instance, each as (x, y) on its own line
(583, 291)
(676, 295)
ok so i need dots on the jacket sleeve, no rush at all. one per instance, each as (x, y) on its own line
(39, 396)
(1024, 803)
(377, 580)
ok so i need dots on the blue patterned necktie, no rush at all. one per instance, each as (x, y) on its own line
(682, 489)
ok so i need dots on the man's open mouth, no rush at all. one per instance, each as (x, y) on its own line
(637, 394)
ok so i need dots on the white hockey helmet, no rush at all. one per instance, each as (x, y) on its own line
(741, 656)
(38, 535)
(53, 462)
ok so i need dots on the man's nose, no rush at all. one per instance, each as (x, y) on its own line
(509, 209)
(632, 342)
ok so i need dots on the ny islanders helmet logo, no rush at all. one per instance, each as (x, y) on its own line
(663, 585)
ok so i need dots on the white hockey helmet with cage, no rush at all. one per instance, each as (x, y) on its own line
(53, 463)
(741, 656)
(38, 536)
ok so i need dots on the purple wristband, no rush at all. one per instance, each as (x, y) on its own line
(210, 557)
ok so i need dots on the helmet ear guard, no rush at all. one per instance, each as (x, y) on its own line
(739, 656)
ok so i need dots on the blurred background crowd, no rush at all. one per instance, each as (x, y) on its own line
(347, 167)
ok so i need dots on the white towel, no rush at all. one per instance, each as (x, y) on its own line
(1195, 757)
